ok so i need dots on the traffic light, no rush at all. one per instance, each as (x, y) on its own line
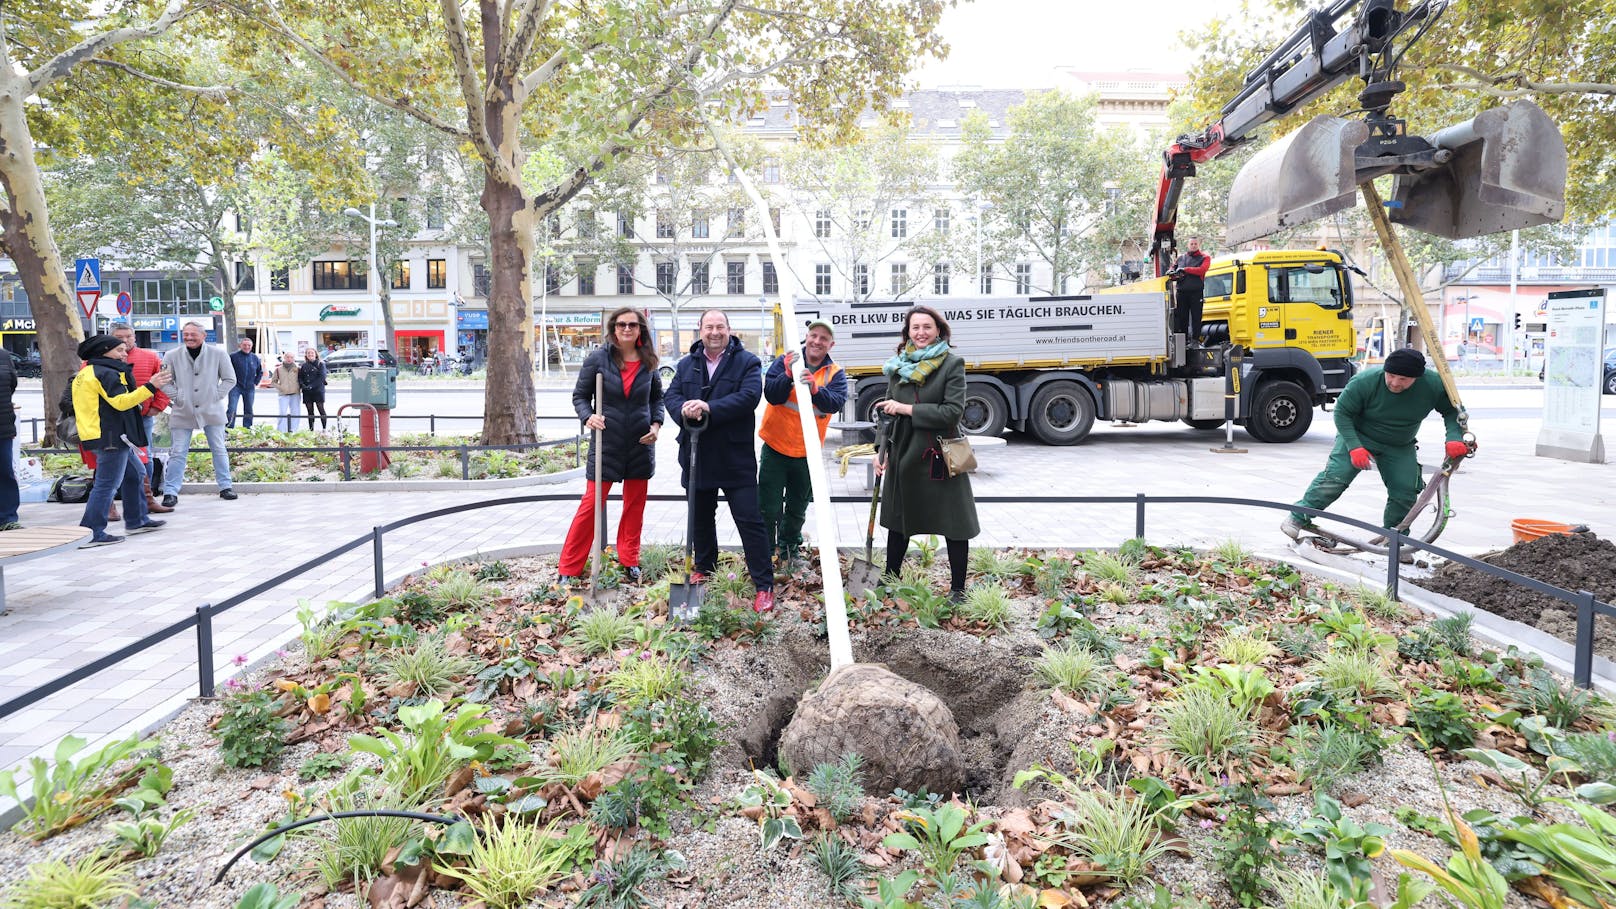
(1517, 321)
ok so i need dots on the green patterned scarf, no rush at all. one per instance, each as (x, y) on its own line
(914, 365)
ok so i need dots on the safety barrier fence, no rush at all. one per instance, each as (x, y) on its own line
(431, 419)
(346, 452)
(1584, 602)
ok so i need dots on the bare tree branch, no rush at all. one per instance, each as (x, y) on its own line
(211, 92)
(545, 72)
(459, 40)
(1515, 84)
(60, 65)
(519, 42)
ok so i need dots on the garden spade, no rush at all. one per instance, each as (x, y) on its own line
(600, 499)
(863, 574)
(685, 597)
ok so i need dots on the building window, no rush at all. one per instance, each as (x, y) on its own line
(588, 227)
(625, 279)
(481, 278)
(660, 177)
(861, 219)
(771, 170)
(900, 278)
(698, 227)
(664, 226)
(665, 277)
(987, 279)
(625, 225)
(735, 277)
(1023, 278)
(280, 278)
(861, 279)
(244, 277)
(822, 280)
(737, 222)
(434, 214)
(699, 282)
(586, 279)
(939, 220)
(552, 279)
(398, 275)
(437, 274)
(822, 223)
(771, 281)
(339, 276)
(900, 223)
(939, 279)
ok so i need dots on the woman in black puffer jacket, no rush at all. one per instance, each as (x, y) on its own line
(630, 418)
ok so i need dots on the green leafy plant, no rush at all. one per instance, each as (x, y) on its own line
(1231, 553)
(355, 849)
(1469, 878)
(1113, 568)
(600, 631)
(580, 752)
(1324, 755)
(618, 806)
(415, 766)
(428, 665)
(1442, 720)
(650, 678)
(145, 834)
(892, 892)
(1297, 641)
(90, 881)
(1245, 646)
(1245, 851)
(1303, 890)
(1245, 685)
(496, 570)
(1454, 632)
(838, 786)
(1378, 602)
(265, 895)
(1541, 694)
(1595, 752)
(770, 800)
(1349, 674)
(731, 582)
(939, 834)
(617, 884)
(1068, 667)
(250, 733)
(64, 792)
(1348, 846)
(1581, 859)
(461, 591)
(839, 862)
(1119, 834)
(1516, 774)
(1421, 645)
(1208, 732)
(656, 559)
(510, 863)
(988, 604)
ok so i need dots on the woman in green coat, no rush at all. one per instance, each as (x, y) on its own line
(925, 398)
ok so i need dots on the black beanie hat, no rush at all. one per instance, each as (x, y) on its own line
(96, 345)
(1406, 361)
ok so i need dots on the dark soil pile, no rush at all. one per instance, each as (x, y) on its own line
(1575, 562)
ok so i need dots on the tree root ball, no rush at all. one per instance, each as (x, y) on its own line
(904, 732)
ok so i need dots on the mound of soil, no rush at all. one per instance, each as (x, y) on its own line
(1576, 562)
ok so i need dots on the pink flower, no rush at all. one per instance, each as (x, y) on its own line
(1206, 824)
(233, 684)
(239, 659)
(281, 653)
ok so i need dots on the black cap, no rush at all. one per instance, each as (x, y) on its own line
(96, 345)
(1407, 362)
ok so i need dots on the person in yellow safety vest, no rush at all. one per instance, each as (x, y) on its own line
(783, 466)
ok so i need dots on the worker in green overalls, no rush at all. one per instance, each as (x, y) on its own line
(1376, 420)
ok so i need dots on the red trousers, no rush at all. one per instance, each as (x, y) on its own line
(581, 536)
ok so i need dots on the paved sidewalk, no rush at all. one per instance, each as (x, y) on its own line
(67, 610)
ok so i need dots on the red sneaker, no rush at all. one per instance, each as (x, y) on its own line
(697, 577)
(764, 601)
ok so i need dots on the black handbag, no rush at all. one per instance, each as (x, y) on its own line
(71, 490)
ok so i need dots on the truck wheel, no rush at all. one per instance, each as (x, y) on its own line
(1062, 413)
(1281, 412)
(864, 408)
(986, 412)
(1203, 424)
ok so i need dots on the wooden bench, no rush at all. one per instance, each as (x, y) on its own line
(34, 543)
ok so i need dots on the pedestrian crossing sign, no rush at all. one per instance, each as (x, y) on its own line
(88, 272)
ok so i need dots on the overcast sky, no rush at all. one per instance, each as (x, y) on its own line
(1021, 43)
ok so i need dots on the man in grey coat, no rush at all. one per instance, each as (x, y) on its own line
(203, 378)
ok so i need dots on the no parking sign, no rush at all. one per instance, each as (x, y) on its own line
(125, 304)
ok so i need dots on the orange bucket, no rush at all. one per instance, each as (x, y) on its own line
(1532, 528)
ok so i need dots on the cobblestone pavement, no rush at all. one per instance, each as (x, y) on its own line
(69, 609)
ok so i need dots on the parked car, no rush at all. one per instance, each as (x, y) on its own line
(27, 367)
(349, 357)
(1609, 382)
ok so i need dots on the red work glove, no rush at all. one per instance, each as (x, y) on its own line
(1456, 449)
(1360, 458)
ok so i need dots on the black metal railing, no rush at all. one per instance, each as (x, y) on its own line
(1586, 605)
(432, 420)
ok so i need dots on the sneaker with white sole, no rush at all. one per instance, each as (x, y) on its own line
(149, 526)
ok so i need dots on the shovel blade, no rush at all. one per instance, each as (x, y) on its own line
(1303, 177)
(1508, 171)
(862, 577)
(685, 601)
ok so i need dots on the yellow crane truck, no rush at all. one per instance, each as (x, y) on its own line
(1051, 366)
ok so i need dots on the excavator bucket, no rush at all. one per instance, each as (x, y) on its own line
(1508, 171)
(1305, 176)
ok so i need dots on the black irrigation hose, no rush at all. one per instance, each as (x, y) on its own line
(377, 812)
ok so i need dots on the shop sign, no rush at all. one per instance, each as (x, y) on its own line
(17, 325)
(327, 312)
(577, 318)
(472, 319)
(155, 323)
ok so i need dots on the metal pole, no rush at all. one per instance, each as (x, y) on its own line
(1394, 553)
(1139, 516)
(204, 649)
(376, 559)
(1514, 299)
(544, 317)
(375, 289)
(1582, 665)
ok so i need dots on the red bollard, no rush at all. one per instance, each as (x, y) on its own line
(375, 431)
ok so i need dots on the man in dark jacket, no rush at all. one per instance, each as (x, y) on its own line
(1189, 270)
(106, 405)
(717, 387)
(10, 496)
(249, 371)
